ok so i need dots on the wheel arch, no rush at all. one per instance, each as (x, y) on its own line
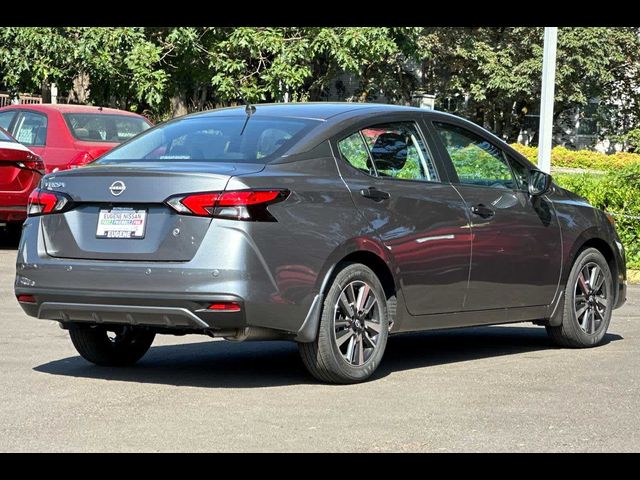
(590, 238)
(368, 252)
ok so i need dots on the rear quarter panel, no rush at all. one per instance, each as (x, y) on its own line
(317, 226)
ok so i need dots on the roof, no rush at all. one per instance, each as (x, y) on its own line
(311, 110)
(67, 108)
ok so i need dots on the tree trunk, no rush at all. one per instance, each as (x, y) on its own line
(178, 105)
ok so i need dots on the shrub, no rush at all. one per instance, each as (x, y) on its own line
(563, 157)
(616, 192)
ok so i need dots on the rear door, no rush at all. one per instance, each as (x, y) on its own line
(516, 257)
(395, 183)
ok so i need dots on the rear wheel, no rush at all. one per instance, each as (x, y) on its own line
(588, 303)
(119, 346)
(353, 331)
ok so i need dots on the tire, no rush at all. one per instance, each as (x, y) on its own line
(350, 344)
(127, 346)
(585, 323)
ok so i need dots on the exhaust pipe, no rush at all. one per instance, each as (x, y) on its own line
(247, 333)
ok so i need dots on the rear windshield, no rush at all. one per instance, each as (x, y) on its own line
(104, 127)
(213, 139)
(4, 137)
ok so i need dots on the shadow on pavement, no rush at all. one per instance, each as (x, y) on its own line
(9, 239)
(266, 364)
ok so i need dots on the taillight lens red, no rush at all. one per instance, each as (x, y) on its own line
(32, 162)
(248, 205)
(43, 202)
(80, 159)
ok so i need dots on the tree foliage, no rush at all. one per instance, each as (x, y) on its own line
(490, 75)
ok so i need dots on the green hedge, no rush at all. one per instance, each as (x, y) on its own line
(563, 157)
(617, 192)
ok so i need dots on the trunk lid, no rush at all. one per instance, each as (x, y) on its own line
(141, 186)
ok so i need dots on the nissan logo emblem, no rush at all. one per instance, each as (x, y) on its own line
(117, 188)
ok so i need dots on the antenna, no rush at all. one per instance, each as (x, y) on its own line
(249, 110)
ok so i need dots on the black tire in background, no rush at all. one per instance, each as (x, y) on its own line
(572, 332)
(124, 347)
(325, 358)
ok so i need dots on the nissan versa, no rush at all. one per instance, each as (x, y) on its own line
(332, 225)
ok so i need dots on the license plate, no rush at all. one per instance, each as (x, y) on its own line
(126, 223)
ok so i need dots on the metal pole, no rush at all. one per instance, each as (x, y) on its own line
(546, 102)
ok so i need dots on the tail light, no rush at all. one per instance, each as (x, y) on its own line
(43, 202)
(80, 159)
(32, 162)
(248, 205)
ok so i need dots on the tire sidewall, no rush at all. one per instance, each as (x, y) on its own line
(587, 256)
(350, 273)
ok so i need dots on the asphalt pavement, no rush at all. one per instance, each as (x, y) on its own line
(502, 388)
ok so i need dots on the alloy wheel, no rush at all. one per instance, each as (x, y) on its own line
(357, 324)
(590, 298)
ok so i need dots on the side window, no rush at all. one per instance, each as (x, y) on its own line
(476, 161)
(520, 172)
(354, 151)
(398, 151)
(31, 129)
(5, 119)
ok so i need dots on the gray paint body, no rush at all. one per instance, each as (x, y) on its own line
(449, 268)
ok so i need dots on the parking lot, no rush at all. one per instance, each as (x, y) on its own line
(500, 388)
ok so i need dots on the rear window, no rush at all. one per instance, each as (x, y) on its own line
(104, 127)
(213, 139)
(4, 137)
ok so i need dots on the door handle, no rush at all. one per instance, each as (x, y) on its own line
(374, 194)
(482, 211)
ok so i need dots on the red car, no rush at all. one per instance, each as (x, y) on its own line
(20, 172)
(67, 136)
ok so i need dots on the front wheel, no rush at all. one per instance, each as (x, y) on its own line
(353, 331)
(119, 346)
(588, 302)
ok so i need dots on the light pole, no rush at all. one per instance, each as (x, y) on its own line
(546, 101)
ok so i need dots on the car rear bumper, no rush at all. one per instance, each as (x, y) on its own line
(162, 311)
(172, 295)
(13, 213)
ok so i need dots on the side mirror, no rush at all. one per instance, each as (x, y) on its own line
(539, 183)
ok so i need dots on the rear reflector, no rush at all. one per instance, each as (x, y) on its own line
(235, 205)
(26, 299)
(225, 307)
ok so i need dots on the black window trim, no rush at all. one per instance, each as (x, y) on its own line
(23, 111)
(416, 123)
(505, 155)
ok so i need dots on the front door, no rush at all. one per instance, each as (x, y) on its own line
(421, 220)
(516, 256)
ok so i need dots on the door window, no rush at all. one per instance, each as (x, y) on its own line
(475, 159)
(520, 172)
(354, 151)
(31, 129)
(5, 119)
(393, 150)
